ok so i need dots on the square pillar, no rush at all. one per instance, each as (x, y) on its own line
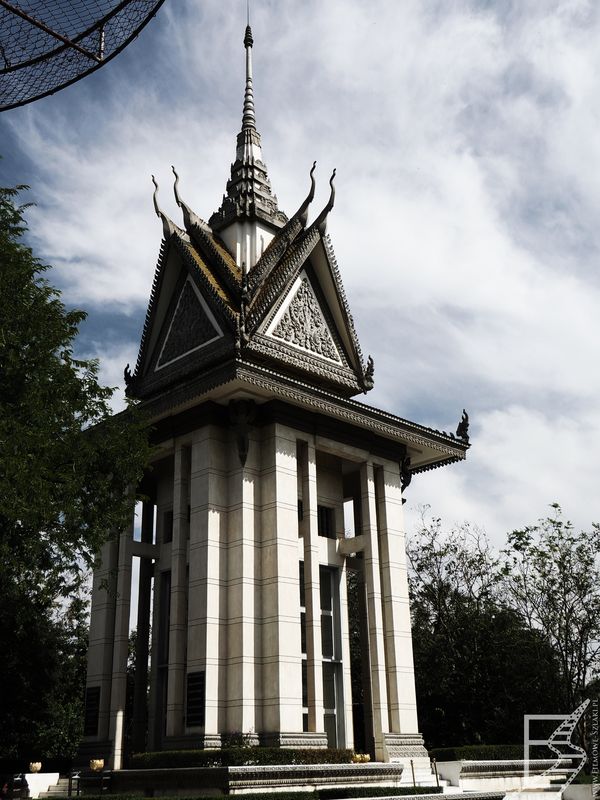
(243, 596)
(281, 650)
(101, 636)
(140, 699)
(310, 532)
(118, 689)
(379, 699)
(178, 615)
(207, 639)
(396, 612)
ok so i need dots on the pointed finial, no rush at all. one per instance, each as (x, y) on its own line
(168, 226)
(321, 221)
(189, 217)
(302, 212)
(175, 187)
(248, 117)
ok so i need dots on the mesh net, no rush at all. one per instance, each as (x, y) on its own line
(36, 61)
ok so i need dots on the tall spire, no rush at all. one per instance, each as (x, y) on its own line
(248, 118)
(248, 193)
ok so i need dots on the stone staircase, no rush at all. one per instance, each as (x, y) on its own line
(60, 789)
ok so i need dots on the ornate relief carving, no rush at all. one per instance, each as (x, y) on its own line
(190, 328)
(303, 324)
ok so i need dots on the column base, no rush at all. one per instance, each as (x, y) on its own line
(401, 748)
(192, 741)
(304, 740)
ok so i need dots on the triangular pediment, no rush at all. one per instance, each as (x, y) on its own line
(301, 323)
(192, 326)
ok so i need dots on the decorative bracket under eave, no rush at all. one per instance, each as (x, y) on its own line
(241, 415)
(405, 474)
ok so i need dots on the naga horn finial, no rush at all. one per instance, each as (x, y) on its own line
(321, 221)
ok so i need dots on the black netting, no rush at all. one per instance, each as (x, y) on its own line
(35, 62)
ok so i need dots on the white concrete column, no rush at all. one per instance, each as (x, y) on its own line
(140, 700)
(346, 674)
(118, 690)
(206, 648)
(178, 615)
(242, 595)
(379, 701)
(310, 531)
(154, 723)
(396, 612)
(282, 658)
(102, 628)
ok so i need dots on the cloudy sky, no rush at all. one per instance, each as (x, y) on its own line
(465, 137)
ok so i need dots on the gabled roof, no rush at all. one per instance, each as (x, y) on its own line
(245, 305)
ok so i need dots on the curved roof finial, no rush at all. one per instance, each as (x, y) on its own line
(168, 226)
(248, 117)
(302, 212)
(321, 221)
(189, 217)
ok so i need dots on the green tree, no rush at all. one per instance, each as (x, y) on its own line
(65, 467)
(552, 581)
(478, 667)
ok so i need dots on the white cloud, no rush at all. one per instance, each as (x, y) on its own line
(465, 137)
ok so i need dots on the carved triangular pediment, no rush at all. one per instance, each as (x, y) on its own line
(192, 326)
(301, 323)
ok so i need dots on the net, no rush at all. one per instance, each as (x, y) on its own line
(47, 45)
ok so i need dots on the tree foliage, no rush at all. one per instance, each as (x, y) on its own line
(551, 578)
(479, 666)
(65, 467)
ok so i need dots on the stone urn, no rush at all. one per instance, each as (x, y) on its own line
(35, 766)
(97, 764)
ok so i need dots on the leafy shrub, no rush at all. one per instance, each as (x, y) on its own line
(323, 794)
(238, 756)
(336, 793)
(479, 752)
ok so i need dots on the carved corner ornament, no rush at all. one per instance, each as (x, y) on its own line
(241, 415)
(369, 374)
(462, 431)
(127, 376)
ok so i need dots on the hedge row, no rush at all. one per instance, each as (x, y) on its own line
(238, 756)
(323, 794)
(478, 752)
(372, 791)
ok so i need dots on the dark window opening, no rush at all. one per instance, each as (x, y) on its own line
(92, 711)
(196, 699)
(168, 526)
(326, 522)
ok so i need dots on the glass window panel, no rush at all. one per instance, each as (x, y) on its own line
(330, 729)
(326, 522)
(303, 632)
(168, 526)
(304, 684)
(301, 584)
(327, 635)
(305, 723)
(329, 687)
(325, 587)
